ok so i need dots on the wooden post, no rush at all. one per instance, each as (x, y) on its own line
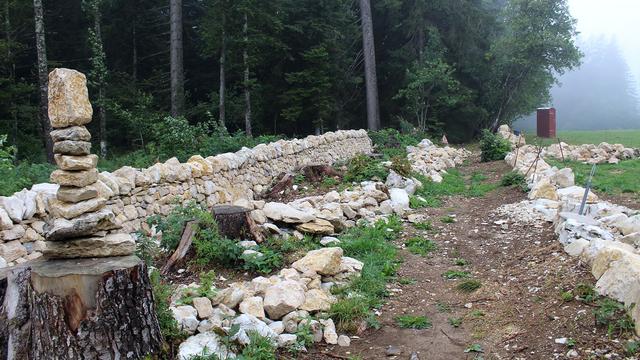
(78, 309)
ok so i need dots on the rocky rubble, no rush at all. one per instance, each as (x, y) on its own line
(433, 161)
(606, 236)
(592, 154)
(275, 307)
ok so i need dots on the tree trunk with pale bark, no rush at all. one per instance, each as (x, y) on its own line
(43, 79)
(371, 80)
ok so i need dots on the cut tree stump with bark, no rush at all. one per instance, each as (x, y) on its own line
(284, 183)
(235, 222)
(78, 309)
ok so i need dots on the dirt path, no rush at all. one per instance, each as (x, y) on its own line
(516, 314)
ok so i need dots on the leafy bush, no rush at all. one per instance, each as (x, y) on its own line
(266, 263)
(363, 167)
(613, 315)
(259, 348)
(391, 142)
(173, 224)
(493, 146)
(211, 248)
(514, 178)
(24, 175)
(401, 165)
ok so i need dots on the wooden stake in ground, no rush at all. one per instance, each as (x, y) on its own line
(78, 309)
(184, 245)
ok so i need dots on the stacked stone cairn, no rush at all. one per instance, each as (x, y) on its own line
(79, 222)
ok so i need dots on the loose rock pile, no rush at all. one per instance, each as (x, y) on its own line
(515, 140)
(433, 161)
(275, 307)
(79, 220)
(606, 237)
(592, 154)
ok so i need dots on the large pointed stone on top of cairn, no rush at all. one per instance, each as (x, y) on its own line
(78, 213)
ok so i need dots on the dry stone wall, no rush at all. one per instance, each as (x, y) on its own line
(134, 194)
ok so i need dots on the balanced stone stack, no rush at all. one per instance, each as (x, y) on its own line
(79, 220)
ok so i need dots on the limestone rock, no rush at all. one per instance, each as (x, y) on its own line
(575, 193)
(203, 307)
(203, 345)
(324, 261)
(276, 326)
(399, 200)
(286, 340)
(231, 296)
(317, 300)
(29, 202)
(185, 315)
(630, 225)
(329, 241)
(283, 298)
(317, 226)
(329, 332)
(73, 133)
(74, 178)
(70, 210)
(253, 306)
(102, 246)
(564, 178)
(69, 147)
(70, 162)
(68, 99)
(249, 323)
(5, 220)
(632, 239)
(12, 250)
(543, 189)
(14, 207)
(72, 194)
(14, 233)
(286, 213)
(344, 341)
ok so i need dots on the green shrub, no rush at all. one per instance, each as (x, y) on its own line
(146, 248)
(260, 348)
(363, 167)
(493, 146)
(173, 224)
(614, 316)
(22, 176)
(401, 165)
(211, 248)
(263, 264)
(515, 179)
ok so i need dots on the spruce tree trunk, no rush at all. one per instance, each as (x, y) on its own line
(223, 58)
(176, 49)
(371, 81)
(43, 79)
(102, 113)
(78, 309)
(247, 90)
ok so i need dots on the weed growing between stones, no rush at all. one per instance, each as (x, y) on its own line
(413, 322)
(372, 245)
(363, 167)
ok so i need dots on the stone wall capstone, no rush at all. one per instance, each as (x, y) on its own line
(134, 194)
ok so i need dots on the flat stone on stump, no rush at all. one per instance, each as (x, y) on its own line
(68, 99)
(99, 246)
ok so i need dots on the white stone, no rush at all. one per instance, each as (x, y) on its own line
(13, 206)
(286, 213)
(329, 331)
(277, 327)
(283, 298)
(253, 306)
(329, 241)
(186, 316)
(249, 323)
(287, 340)
(324, 261)
(630, 225)
(344, 341)
(202, 345)
(203, 307)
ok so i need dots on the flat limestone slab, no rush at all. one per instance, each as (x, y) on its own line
(90, 247)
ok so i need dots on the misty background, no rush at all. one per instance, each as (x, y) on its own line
(604, 92)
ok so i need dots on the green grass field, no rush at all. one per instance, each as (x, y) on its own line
(630, 138)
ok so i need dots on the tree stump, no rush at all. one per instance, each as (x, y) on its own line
(79, 309)
(235, 222)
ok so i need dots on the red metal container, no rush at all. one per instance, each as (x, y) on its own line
(546, 123)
